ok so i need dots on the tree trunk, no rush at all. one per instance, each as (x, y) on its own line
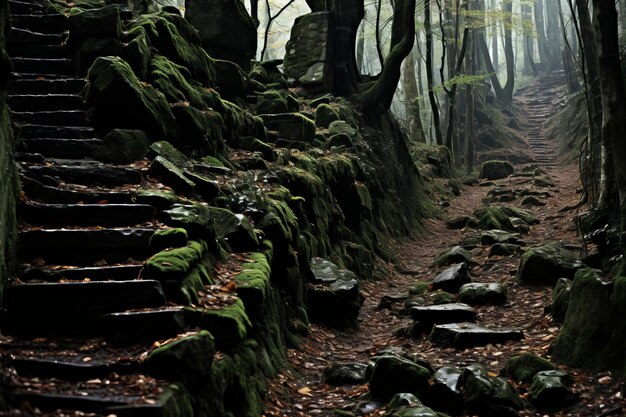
(416, 131)
(613, 96)
(554, 35)
(541, 33)
(599, 144)
(528, 41)
(377, 98)
(508, 51)
(429, 72)
(470, 105)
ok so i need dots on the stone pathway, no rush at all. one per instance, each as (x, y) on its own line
(400, 310)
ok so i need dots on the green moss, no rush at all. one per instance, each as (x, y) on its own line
(229, 324)
(176, 401)
(201, 131)
(174, 263)
(419, 288)
(137, 51)
(325, 114)
(174, 81)
(523, 368)
(442, 297)
(168, 238)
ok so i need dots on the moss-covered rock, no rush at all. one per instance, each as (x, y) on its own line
(291, 126)
(560, 299)
(122, 146)
(185, 360)
(495, 170)
(523, 368)
(551, 390)
(489, 396)
(456, 255)
(271, 102)
(168, 238)
(195, 218)
(545, 264)
(392, 374)
(325, 115)
(228, 324)
(235, 229)
(230, 80)
(119, 100)
(103, 22)
(593, 325)
(174, 264)
(201, 131)
(137, 51)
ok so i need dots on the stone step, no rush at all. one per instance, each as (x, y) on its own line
(466, 335)
(59, 148)
(22, 36)
(33, 85)
(71, 370)
(86, 174)
(38, 51)
(106, 215)
(35, 190)
(52, 117)
(43, 66)
(443, 313)
(32, 131)
(26, 7)
(42, 23)
(84, 246)
(34, 158)
(44, 102)
(126, 327)
(62, 301)
(96, 273)
(77, 404)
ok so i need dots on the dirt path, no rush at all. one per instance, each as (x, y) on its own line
(300, 391)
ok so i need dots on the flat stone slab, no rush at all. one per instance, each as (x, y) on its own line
(465, 335)
(492, 237)
(443, 313)
(482, 294)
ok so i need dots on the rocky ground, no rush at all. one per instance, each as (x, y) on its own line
(302, 390)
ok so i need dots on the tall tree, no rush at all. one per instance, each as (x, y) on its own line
(613, 97)
(429, 71)
(412, 105)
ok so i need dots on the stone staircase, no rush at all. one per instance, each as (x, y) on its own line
(539, 101)
(79, 315)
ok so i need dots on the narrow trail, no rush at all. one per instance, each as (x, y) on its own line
(301, 390)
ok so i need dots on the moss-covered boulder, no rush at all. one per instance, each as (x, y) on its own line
(560, 299)
(495, 170)
(593, 325)
(446, 390)
(334, 295)
(478, 293)
(103, 22)
(137, 51)
(117, 99)
(392, 374)
(201, 131)
(325, 115)
(523, 368)
(456, 255)
(122, 146)
(230, 80)
(187, 360)
(493, 218)
(551, 390)
(173, 264)
(168, 238)
(291, 126)
(545, 264)
(345, 374)
(226, 29)
(489, 396)
(271, 102)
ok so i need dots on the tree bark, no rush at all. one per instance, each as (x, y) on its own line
(377, 98)
(412, 107)
(509, 87)
(541, 33)
(470, 105)
(429, 72)
(613, 97)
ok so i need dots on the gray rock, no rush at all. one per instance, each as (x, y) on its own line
(443, 313)
(532, 201)
(523, 368)
(462, 222)
(445, 390)
(560, 299)
(271, 102)
(307, 54)
(235, 229)
(453, 256)
(489, 396)
(122, 146)
(341, 126)
(495, 170)
(345, 374)
(492, 237)
(545, 264)
(291, 126)
(551, 390)
(340, 140)
(195, 218)
(504, 249)
(392, 374)
(226, 29)
(325, 115)
(464, 335)
(482, 294)
(334, 297)
(452, 278)
(172, 176)
(403, 400)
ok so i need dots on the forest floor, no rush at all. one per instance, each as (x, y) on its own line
(300, 390)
